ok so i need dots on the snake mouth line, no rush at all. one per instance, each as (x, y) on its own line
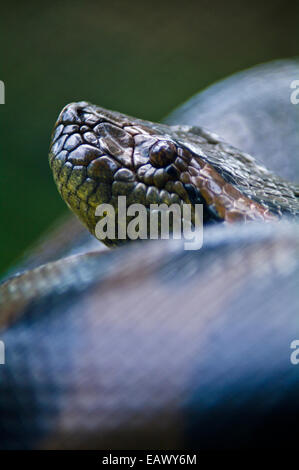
(97, 155)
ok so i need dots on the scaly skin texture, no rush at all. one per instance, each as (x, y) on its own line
(97, 155)
(152, 346)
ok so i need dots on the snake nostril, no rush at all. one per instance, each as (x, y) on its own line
(73, 113)
(80, 112)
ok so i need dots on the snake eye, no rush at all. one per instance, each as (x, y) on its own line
(162, 153)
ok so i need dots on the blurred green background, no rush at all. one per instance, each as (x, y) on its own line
(139, 57)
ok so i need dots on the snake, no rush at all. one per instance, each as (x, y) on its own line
(110, 370)
(97, 155)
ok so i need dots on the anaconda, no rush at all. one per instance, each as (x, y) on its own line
(147, 345)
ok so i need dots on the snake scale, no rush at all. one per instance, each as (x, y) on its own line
(149, 345)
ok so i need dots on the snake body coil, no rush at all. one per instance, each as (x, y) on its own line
(150, 345)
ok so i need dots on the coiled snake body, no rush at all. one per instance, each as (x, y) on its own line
(148, 345)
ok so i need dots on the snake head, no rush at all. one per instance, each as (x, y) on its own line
(97, 155)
